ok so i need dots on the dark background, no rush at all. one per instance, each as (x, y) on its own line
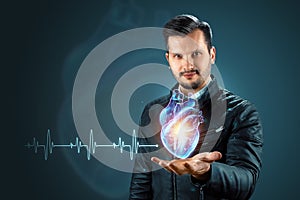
(257, 53)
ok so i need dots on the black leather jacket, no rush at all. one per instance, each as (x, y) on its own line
(235, 130)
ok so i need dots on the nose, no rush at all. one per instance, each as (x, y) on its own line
(188, 63)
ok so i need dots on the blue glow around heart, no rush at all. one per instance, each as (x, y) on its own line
(180, 121)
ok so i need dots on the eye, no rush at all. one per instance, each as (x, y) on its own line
(177, 55)
(196, 53)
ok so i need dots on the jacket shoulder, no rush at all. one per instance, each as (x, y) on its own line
(244, 115)
(236, 103)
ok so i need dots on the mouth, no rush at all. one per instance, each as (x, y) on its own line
(189, 74)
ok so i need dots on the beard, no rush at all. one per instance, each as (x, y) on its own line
(194, 85)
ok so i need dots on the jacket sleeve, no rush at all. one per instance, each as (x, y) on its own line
(235, 177)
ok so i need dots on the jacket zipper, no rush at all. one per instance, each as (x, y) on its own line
(174, 186)
(201, 193)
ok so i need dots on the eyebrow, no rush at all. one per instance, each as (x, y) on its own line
(174, 52)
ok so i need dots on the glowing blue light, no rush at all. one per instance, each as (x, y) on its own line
(180, 121)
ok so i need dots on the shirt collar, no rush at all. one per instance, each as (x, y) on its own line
(198, 94)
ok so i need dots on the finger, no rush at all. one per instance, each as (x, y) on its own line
(177, 166)
(213, 156)
(194, 165)
(208, 157)
(189, 168)
(162, 163)
(197, 167)
(201, 156)
(155, 159)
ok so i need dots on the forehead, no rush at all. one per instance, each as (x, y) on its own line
(190, 42)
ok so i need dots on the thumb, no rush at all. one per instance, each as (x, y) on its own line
(215, 155)
(212, 156)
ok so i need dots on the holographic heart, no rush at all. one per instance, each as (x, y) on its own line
(180, 121)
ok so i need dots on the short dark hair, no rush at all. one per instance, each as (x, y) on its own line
(185, 24)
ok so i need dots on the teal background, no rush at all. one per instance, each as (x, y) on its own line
(257, 53)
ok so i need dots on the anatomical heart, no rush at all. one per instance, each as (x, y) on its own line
(180, 121)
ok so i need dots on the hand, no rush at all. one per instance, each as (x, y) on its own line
(197, 165)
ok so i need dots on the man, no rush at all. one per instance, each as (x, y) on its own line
(227, 160)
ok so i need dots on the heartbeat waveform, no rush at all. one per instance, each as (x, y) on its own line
(90, 148)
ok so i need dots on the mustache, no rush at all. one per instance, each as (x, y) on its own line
(190, 71)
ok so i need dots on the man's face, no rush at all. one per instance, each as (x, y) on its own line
(189, 60)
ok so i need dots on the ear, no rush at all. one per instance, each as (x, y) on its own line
(213, 55)
(167, 56)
